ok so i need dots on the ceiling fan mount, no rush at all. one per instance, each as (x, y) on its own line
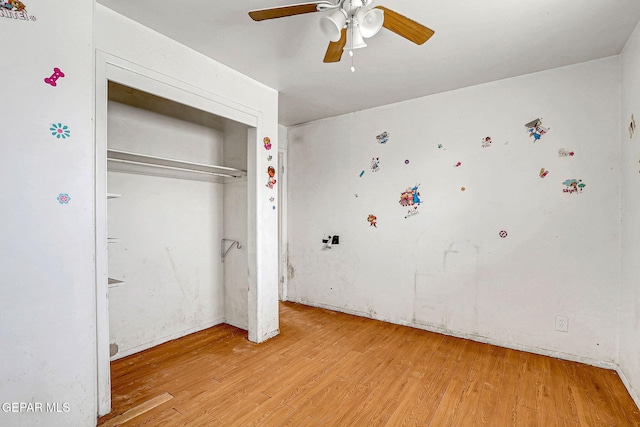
(351, 20)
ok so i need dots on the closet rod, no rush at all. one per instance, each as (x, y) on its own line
(178, 168)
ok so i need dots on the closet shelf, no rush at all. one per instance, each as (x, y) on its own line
(145, 160)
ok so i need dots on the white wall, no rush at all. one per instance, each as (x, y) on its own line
(446, 268)
(162, 58)
(169, 230)
(236, 280)
(47, 292)
(630, 290)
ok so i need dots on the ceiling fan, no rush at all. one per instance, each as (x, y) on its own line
(350, 20)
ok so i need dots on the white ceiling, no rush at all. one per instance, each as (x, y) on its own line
(474, 42)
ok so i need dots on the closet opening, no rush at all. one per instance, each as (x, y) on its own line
(177, 188)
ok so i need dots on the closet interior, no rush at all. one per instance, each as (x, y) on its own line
(177, 198)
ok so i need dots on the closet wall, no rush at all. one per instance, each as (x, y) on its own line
(169, 225)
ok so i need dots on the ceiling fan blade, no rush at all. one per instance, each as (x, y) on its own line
(335, 49)
(405, 27)
(283, 11)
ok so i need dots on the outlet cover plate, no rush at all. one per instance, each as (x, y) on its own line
(562, 323)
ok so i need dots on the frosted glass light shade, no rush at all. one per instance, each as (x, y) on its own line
(370, 21)
(332, 25)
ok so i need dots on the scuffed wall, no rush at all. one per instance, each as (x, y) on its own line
(47, 292)
(630, 160)
(463, 220)
(168, 229)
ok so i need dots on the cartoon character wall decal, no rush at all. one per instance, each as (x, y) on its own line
(383, 138)
(573, 186)
(375, 164)
(543, 172)
(486, 142)
(565, 153)
(373, 220)
(267, 143)
(12, 5)
(15, 9)
(411, 198)
(535, 129)
(272, 174)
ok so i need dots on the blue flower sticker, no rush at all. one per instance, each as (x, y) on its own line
(60, 131)
(64, 199)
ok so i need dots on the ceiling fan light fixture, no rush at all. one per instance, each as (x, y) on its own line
(356, 41)
(370, 21)
(332, 25)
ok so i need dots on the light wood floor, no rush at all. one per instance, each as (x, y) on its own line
(333, 369)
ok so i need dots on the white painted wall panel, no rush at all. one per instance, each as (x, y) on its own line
(630, 287)
(47, 292)
(169, 232)
(446, 268)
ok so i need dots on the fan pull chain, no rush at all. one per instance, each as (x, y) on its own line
(353, 68)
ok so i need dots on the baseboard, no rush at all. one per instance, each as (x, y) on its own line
(237, 324)
(627, 384)
(162, 340)
(472, 337)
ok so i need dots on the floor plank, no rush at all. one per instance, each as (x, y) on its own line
(333, 369)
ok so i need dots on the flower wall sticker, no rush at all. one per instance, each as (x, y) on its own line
(60, 131)
(63, 198)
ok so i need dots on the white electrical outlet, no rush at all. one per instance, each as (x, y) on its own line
(562, 323)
